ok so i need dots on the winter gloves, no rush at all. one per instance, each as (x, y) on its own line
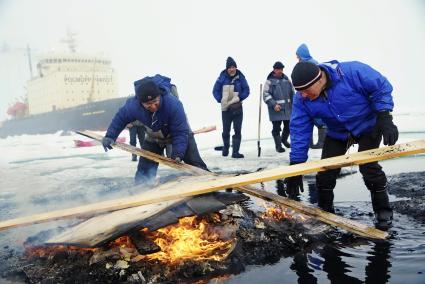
(294, 184)
(107, 143)
(387, 128)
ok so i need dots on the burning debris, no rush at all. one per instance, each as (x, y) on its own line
(196, 249)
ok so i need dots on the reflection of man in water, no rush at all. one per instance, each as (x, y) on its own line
(136, 131)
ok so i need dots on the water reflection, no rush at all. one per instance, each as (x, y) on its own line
(301, 267)
(378, 267)
(330, 259)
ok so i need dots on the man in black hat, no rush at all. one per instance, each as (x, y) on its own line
(355, 103)
(278, 93)
(230, 89)
(163, 117)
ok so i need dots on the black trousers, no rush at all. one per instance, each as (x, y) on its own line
(136, 132)
(372, 173)
(228, 117)
(276, 128)
(146, 169)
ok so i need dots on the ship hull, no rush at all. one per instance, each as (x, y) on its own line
(92, 116)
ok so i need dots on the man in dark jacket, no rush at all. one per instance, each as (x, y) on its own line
(355, 103)
(278, 93)
(164, 120)
(230, 89)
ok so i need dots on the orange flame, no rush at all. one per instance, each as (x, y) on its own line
(279, 214)
(43, 251)
(192, 238)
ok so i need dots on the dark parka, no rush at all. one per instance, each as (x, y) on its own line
(278, 91)
(167, 124)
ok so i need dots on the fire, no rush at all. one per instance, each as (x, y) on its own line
(279, 214)
(192, 238)
(43, 251)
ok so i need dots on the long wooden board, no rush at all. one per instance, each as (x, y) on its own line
(103, 228)
(240, 182)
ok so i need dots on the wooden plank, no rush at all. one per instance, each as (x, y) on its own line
(325, 217)
(217, 183)
(103, 228)
(205, 129)
(97, 229)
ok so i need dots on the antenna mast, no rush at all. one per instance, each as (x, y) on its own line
(29, 60)
(70, 41)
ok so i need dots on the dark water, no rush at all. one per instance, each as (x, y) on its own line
(401, 259)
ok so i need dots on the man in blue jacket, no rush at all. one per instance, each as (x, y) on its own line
(163, 117)
(230, 89)
(355, 103)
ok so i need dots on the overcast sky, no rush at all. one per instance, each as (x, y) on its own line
(190, 40)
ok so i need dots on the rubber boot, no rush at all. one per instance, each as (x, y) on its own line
(325, 199)
(277, 143)
(381, 207)
(134, 158)
(236, 143)
(284, 139)
(226, 146)
(321, 140)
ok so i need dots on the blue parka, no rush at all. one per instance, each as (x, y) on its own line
(241, 85)
(349, 105)
(304, 54)
(169, 120)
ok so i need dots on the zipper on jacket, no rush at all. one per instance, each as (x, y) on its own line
(153, 119)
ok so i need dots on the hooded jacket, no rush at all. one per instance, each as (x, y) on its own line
(348, 106)
(167, 125)
(304, 54)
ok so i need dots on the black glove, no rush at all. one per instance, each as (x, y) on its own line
(294, 184)
(107, 142)
(387, 128)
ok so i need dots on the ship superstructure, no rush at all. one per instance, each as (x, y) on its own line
(71, 91)
(70, 79)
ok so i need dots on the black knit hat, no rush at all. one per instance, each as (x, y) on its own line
(146, 90)
(230, 62)
(278, 65)
(304, 75)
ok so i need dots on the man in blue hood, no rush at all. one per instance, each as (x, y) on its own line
(163, 117)
(355, 103)
(230, 89)
(303, 54)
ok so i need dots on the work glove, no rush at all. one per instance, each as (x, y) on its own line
(387, 128)
(107, 142)
(176, 158)
(294, 185)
